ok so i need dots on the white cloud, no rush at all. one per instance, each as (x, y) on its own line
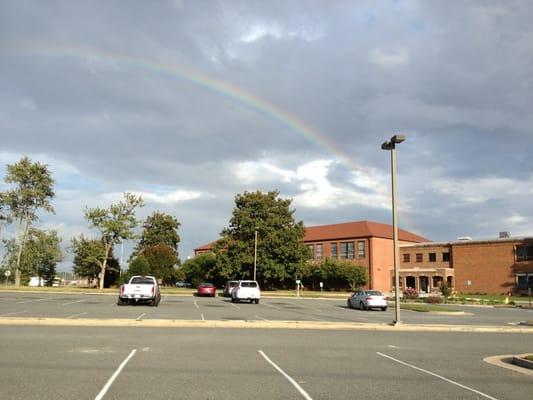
(165, 198)
(276, 31)
(398, 57)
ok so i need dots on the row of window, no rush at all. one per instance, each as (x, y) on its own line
(432, 257)
(342, 250)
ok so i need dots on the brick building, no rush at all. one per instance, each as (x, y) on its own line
(470, 266)
(365, 243)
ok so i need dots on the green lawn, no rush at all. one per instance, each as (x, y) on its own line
(423, 307)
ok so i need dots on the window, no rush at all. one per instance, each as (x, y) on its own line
(432, 257)
(524, 253)
(333, 250)
(347, 250)
(419, 257)
(311, 250)
(406, 258)
(319, 253)
(446, 257)
(361, 249)
(521, 281)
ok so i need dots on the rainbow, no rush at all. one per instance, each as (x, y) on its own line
(210, 83)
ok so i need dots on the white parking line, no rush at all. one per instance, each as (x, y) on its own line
(202, 315)
(33, 301)
(196, 305)
(140, 317)
(436, 376)
(270, 305)
(264, 319)
(76, 315)
(114, 376)
(13, 313)
(236, 306)
(292, 381)
(72, 302)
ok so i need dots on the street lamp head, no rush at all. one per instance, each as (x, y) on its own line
(387, 146)
(398, 138)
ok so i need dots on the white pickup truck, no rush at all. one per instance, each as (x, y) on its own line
(246, 290)
(140, 289)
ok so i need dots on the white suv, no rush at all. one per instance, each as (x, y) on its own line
(246, 290)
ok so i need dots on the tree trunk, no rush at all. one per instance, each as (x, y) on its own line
(22, 240)
(104, 266)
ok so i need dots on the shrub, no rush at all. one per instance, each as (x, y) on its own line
(446, 290)
(434, 300)
(410, 293)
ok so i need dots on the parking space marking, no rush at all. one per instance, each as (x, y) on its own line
(72, 302)
(236, 306)
(13, 313)
(196, 305)
(437, 376)
(76, 315)
(264, 319)
(140, 317)
(108, 384)
(292, 381)
(203, 318)
(276, 307)
(33, 301)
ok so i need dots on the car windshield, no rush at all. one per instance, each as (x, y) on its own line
(206, 285)
(374, 293)
(249, 284)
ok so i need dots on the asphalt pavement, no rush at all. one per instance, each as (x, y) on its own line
(101, 306)
(136, 363)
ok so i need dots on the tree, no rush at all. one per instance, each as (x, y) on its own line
(33, 190)
(336, 274)
(88, 256)
(160, 228)
(201, 268)
(280, 250)
(162, 261)
(88, 260)
(139, 266)
(115, 224)
(40, 256)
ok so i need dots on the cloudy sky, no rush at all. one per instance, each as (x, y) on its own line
(191, 102)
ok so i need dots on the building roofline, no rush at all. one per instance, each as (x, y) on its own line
(467, 242)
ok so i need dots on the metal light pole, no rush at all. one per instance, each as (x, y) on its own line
(255, 255)
(391, 146)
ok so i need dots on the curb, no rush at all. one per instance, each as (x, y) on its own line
(506, 361)
(245, 324)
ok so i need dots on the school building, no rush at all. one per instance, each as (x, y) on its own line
(496, 266)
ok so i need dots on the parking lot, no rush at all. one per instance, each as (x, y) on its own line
(167, 363)
(81, 306)
(87, 362)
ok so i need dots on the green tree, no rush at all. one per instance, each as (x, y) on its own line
(33, 190)
(88, 260)
(139, 266)
(160, 228)
(40, 256)
(162, 261)
(88, 256)
(280, 251)
(115, 224)
(200, 268)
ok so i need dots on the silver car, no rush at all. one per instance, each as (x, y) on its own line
(367, 299)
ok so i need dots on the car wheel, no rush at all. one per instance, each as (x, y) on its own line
(348, 304)
(233, 300)
(383, 308)
(362, 306)
(256, 301)
(121, 302)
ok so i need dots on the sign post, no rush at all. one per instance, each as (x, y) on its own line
(7, 273)
(321, 286)
(298, 282)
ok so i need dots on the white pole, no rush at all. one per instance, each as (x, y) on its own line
(395, 237)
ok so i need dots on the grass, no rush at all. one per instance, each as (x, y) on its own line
(529, 357)
(423, 307)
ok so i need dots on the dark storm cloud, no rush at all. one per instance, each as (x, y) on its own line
(456, 78)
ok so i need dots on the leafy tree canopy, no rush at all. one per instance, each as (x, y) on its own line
(280, 250)
(160, 228)
(200, 269)
(88, 256)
